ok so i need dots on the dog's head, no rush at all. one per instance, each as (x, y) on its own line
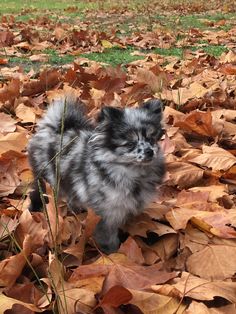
(130, 135)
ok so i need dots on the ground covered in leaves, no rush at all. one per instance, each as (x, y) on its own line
(179, 255)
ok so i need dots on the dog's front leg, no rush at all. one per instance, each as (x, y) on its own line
(106, 234)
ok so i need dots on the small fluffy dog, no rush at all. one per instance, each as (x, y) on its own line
(113, 166)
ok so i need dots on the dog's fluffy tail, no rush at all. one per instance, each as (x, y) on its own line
(65, 113)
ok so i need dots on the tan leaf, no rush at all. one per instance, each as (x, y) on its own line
(166, 246)
(136, 277)
(153, 303)
(216, 262)
(9, 179)
(183, 94)
(229, 115)
(216, 222)
(132, 251)
(202, 289)
(41, 57)
(183, 174)
(75, 300)
(215, 191)
(215, 158)
(59, 33)
(10, 91)
(148, 77)
(11, 268)
(7, 124)
(198, 122)
(201, 308)
(31, 228)
(25, 113)
(70, 298)
(228, 57)
(7, 225)
(191, 199)
(12, 141)
(7, 303)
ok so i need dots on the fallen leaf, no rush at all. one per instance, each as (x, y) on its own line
(153, 303)
(198, 122)
(7, 123)
(115, 297)
(132, 251)
(12, 141)
(217, 262)
(215, 158)
(25, 113)
(183, 174)
(7, 225)
(202, 289)
(7, 303)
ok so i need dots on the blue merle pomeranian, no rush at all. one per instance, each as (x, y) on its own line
(113, 165)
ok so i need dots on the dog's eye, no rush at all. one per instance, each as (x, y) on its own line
(129, 145)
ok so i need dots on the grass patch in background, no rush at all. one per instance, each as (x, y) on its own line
(137, 16)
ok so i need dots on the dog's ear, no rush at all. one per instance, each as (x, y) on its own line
(110, 114)
(154, 106)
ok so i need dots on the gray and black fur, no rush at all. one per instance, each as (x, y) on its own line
(114, 166)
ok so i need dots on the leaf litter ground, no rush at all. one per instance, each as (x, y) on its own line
(179, 255)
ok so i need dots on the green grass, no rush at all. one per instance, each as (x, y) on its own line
(58, 11)
(14, 6)
(113, 56)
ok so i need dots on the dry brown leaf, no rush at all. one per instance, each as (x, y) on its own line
(132, 251)
(218, 222)
(215, 158)
(183, 174)
(32, 229)
(9, 179)
(12, 141)
(201, 308)
(148, 77)
(7, 225)
(136, 277)
(183, 94)
(202, 289)
(198, 122)
(7, 303)
(11, 91)
(25, 113)
(115, 297)
(215, 191)
(7, 124)
(71, 299)
(215, 262)
(12, 267)
(153, 303)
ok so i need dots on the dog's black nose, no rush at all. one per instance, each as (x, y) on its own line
(148, 152)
